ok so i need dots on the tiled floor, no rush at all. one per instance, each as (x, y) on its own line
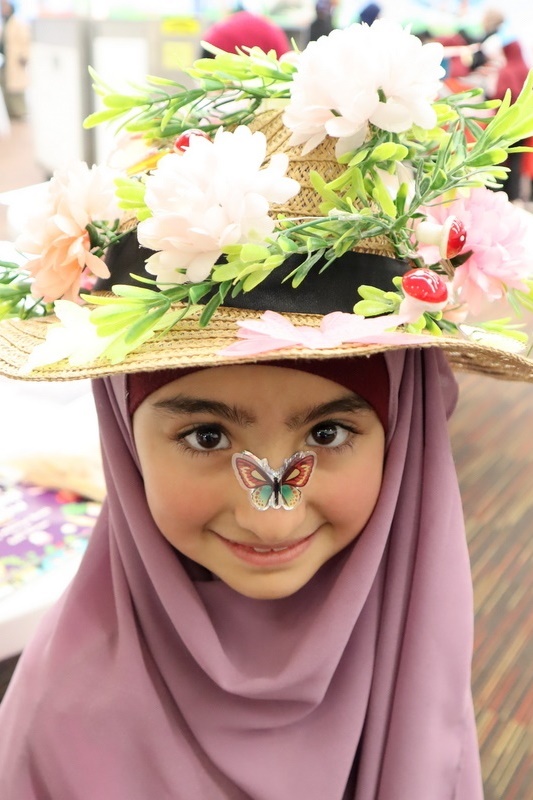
(492, 432)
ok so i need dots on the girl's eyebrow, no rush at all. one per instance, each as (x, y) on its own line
(347, 403)
(183, 404)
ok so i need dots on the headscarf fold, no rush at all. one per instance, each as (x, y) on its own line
(145, 681)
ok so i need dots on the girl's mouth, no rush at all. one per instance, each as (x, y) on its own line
(263, 556)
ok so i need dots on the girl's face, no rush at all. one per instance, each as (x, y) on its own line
(186, 433)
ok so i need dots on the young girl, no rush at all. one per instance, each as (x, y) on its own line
(276, 600)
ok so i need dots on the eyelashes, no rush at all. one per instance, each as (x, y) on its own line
(209, 438)
(204, 439)
(330, 435)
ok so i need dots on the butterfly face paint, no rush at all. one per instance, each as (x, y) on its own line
(274, 488)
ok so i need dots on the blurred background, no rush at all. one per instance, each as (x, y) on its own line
(47, 46)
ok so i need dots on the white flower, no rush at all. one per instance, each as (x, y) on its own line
(380, 74)
(75, 338)
(214, 194)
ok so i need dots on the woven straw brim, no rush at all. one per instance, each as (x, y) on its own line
(187, 345)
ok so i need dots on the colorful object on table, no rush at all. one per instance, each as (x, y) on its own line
(274, 488)
(40, 529)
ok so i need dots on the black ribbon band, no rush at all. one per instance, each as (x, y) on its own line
(334, 289)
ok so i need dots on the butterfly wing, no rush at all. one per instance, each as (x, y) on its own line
(250, 471)
(262, 497)
(252, 474)
(289, 497)
(296, 473)
(298, 469)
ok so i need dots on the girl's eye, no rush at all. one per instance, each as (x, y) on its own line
(328, 434)
(206, 437)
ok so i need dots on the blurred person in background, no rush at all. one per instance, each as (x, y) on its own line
(242, 28)
(493, 61)
(15, 48)
(369, 13)
(323, 23)
(501, 66)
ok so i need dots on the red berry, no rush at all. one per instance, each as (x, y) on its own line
(426, 285)
(184, 139)
(456, 237)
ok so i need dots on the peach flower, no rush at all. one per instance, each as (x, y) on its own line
(57, 233)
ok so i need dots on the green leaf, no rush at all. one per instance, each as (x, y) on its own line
(321, 187)
(360, 156)
(197, 291)
(302, 270)
(286, 244)
(253, 252)
(253, 280)
(10, 265)
(389, 151)
(101, 116)
(382, 197)
(114, 319)
(123, 101)
(273, 261)
(401, 199)
(368, 292)
(139, 330)
(227, 272)
(418, 326)
(156, 80)
(525, 300)
(136, 292)
(370, 308)
(495, 156)
(431, 326)
(209, 310)
(357, 188)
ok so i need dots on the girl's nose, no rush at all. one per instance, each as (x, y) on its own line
(273, 526)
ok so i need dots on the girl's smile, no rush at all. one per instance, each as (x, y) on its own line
(269, 555)
(186, 433)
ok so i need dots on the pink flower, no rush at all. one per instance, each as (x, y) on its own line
(58, 236)
(497, 235)
(275, 332)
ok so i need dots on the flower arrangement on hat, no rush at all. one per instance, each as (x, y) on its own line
(278, 170)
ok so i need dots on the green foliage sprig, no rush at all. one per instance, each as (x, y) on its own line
(16, 299)
(229, 88)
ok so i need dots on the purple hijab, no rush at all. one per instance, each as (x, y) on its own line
(146, 682)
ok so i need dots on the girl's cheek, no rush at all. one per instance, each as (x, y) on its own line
(182, 498)
(350, 494)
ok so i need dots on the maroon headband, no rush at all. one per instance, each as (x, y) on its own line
(366, 376)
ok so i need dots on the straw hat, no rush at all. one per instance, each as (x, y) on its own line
(266, 213)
